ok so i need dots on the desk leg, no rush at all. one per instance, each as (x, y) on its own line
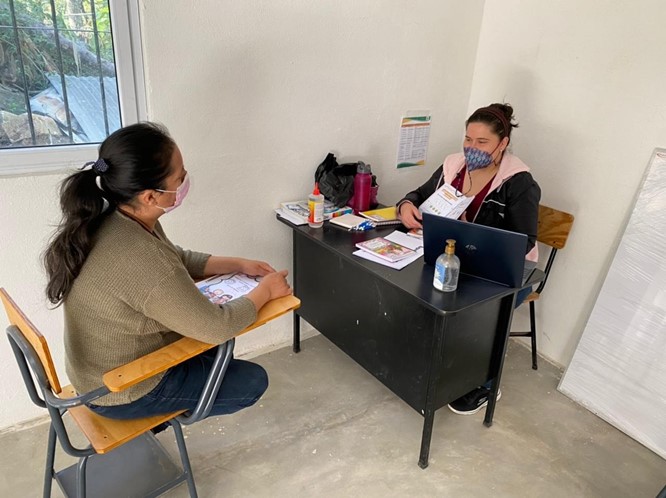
(426, 436)
(296, 347)
(502, 340)
(433, 382)
(297, 333)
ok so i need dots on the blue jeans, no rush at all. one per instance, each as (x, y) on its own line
(521, 296)
(181, 386)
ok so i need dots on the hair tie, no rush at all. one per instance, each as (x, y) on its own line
(100, 166)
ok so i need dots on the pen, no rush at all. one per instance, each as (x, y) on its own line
(366, 225)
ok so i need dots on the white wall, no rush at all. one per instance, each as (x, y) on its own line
(256, 93)
(28, 210)
(588, 82)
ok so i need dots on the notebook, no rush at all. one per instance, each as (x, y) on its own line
(349, 221)
(484, 252)
(382, 216)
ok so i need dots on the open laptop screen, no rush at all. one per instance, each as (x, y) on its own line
(484, 252)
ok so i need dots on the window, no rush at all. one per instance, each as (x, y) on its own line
(70, 74)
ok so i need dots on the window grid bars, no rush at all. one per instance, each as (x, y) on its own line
(61, 66)
(99, 67)
(25, 78)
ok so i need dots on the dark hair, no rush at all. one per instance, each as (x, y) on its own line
(497, 116)
(132, 159)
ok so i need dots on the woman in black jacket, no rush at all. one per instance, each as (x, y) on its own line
(504, 196)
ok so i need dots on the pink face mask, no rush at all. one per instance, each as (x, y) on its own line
(181, 193)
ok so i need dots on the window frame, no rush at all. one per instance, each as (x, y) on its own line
(126, 33)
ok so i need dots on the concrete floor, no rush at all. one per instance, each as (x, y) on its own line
(327, 428)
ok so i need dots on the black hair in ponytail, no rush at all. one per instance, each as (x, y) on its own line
(133, 159)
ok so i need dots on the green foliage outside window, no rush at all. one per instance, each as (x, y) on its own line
(25, 65)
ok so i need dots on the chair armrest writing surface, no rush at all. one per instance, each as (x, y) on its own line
(158, 361)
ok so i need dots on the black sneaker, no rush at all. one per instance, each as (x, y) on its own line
(473, 401)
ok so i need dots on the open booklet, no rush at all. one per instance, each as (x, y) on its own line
(416, 245)
(446, 202)
(386, 249)
(220, 289)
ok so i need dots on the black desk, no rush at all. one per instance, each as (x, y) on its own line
(426, 346)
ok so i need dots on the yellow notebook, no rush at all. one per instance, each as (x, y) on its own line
(382, 216)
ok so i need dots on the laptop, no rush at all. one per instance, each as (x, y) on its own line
(484, 252)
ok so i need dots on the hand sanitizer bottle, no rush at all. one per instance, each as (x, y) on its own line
(447, 269)
(316, 208)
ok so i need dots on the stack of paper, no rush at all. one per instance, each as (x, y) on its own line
(399, 238)
(351, 222)
(296, 212)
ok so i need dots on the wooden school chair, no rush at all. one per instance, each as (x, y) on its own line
(553, 231)
(122, 457)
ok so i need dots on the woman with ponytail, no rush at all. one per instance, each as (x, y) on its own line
(127, 290)
(504, 196)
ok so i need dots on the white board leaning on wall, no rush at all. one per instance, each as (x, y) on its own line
(618, 370)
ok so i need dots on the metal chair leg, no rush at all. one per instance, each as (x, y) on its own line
(184, 458)
(50, 459)
(533, 333)
(81, 477)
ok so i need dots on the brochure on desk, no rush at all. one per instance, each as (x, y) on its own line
(221, 289)
(399, 238)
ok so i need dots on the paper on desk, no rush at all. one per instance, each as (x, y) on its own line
(220, 289)
(292, 218)
(446, 202)
(399, 238)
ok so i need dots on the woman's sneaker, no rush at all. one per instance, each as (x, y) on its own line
(473, 401)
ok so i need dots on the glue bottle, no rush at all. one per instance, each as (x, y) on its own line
(447, 269)
(315, 208)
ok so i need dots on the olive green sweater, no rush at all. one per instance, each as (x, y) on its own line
(135, 294)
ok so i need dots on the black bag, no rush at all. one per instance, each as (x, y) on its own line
(336, 181)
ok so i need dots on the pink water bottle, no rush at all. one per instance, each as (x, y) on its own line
(362, 184)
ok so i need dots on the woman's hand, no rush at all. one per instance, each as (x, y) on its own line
(410, 215)
(272, 286)
(254, 268)
(276, 284)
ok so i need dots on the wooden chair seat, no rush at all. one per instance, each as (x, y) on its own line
(106, 434)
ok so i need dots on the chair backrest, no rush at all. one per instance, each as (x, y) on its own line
(553, 230)
(34, 337)
(553, 227)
